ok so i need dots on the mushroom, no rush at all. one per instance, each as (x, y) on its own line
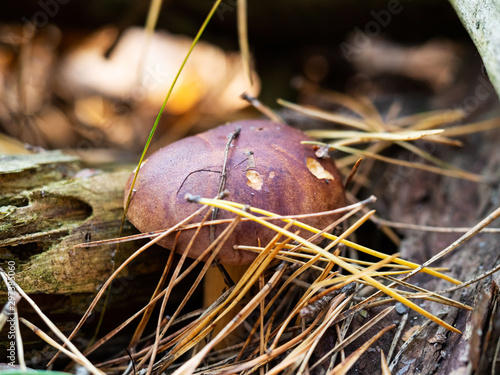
(267, 167)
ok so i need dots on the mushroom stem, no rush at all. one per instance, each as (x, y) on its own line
(213, 287)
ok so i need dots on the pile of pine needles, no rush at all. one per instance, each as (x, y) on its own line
(295, 290)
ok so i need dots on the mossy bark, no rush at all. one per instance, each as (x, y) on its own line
(48, 204)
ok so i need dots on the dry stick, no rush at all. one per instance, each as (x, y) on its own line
(265, 110)
(395, 340)
(354, 169)
(371, 199)
(118, 270)
(191, 365)
(223, 177)
(222, 184)
(51, 325)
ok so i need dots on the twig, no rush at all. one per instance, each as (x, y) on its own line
(351, 175)
(397, 335)
(215, 211)
(266, 111)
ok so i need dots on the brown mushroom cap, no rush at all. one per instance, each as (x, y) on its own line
(285, 177)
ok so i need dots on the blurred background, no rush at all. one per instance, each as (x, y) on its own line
(82, 75)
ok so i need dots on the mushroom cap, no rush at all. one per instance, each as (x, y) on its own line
(267, 167)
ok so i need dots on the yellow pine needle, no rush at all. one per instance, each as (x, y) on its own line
(351, 244)
(245, 283)
(314, 259)
(354, 277)
(329, 256)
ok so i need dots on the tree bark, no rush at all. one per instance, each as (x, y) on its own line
(418, 197)
(481, 19)
(48, 204)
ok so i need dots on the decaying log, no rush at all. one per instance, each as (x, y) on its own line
(48, 204)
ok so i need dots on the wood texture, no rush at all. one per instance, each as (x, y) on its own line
(48, 204)
(417, 197)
